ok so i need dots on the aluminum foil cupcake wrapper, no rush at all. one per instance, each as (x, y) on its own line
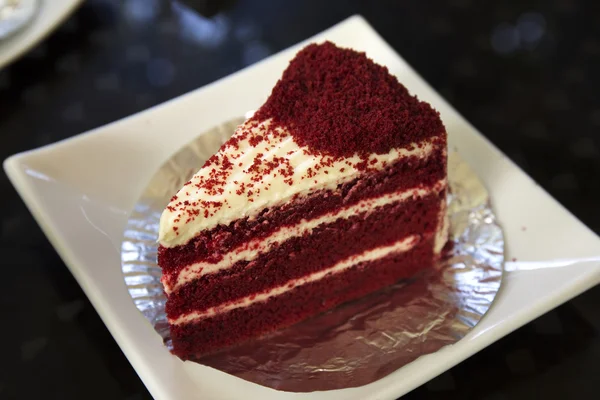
(356, 343)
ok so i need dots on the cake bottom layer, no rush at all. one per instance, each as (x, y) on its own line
(200, 337)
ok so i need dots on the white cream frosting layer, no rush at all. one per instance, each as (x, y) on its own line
(241, 193)
(400, 246)
(443, 228)
(253, 249)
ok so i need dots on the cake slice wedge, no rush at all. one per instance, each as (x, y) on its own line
(335, 188)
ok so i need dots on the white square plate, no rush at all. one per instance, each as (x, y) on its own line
(81, 190)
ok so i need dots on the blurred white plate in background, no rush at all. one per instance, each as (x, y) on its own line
(50, 15)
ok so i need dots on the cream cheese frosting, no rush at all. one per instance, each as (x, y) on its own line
(259, 167)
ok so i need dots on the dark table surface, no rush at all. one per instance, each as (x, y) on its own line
(525, 73)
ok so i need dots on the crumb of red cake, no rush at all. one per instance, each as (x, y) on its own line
(339, 102)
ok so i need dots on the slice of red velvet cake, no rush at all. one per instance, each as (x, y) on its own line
(335, 188)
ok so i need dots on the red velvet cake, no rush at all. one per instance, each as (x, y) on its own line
(335, 188)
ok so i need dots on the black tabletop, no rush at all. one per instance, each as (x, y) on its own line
(524, 72)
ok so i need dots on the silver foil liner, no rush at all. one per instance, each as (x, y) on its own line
(356, 343)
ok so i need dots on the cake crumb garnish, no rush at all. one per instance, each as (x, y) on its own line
(375, 114)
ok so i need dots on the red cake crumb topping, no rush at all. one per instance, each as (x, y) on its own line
(339, 102)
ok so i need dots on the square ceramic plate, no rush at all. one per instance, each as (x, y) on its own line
(82, 189)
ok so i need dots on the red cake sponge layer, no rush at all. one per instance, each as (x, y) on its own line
(230, 328)
(210, 245)
(327, 245)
